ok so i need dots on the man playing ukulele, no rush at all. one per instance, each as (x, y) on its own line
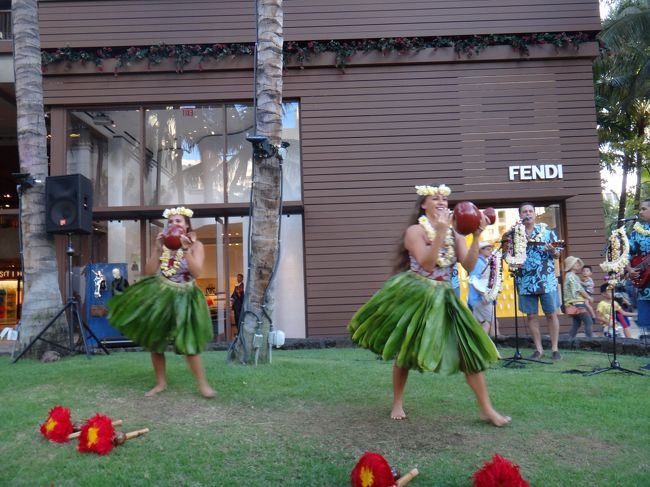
(640, 247)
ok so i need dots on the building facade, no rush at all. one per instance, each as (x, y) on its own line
(499, 124)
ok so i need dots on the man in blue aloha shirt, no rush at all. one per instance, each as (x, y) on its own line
(537, 283)
(640, 246)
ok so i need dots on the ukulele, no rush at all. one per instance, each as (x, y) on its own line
(641, 263)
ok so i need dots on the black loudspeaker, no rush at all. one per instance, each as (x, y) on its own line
(68, 204)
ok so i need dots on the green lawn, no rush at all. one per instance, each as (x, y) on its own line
(307, 418)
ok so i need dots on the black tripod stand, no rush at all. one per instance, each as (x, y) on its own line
(614, 365)
(516, 361)
(73, 316)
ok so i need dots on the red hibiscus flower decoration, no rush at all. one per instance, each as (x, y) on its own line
(500, 473)
(372, 470)
(58, 425)
(97, 435)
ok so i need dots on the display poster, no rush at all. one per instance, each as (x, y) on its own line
(102, 282)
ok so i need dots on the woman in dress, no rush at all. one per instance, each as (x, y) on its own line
(167, 306)
(416, 319)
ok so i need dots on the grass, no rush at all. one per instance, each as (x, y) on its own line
(306, 419)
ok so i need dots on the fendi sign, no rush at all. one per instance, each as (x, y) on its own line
(540, 171)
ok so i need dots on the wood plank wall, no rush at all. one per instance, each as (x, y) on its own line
(372, 133)
(147, 22)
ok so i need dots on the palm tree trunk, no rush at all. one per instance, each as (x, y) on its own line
(623, 199)
(265, 222)
(41, 286)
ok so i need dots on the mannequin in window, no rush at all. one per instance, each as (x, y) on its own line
(119, 283)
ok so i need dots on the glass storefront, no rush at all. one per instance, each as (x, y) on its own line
(185, 155)
(506, 217)
(188, 154)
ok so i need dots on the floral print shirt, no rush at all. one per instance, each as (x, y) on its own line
(640, 245)
(538, 272)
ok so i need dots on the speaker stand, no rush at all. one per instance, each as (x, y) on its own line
(71, 309)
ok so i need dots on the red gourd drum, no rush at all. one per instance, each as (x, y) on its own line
(172, 237)
(467, 217)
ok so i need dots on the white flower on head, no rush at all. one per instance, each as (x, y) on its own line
(433, 190)
(180, 210)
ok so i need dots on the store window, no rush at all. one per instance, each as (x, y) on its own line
(104, 146)
(506, 217)
(192, 154)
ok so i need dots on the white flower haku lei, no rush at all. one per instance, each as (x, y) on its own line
(450, 255)
(164, 262)
(516, 254)
(618, 252)
(638, 228)
(495, 277)
(433, 190)
(179, 210)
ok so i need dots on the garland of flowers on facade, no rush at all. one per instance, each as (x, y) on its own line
(617, 256)
(495, 277)
(303, 50)
(447, 258)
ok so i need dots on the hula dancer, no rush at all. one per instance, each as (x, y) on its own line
(417, 319)
(166, 306)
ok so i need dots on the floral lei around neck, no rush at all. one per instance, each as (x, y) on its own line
(617, 256)
(495, 277)
(166, 259)
(640, 229)
(449, 256)
(516, 254)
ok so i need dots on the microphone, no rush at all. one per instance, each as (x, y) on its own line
(629, 219)
(525, 219)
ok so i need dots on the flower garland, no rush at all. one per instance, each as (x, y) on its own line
(180, 210)
(617, 256)
(516, 254)
(639, 228)
(442, 190)
(449, 256)
(343, 49)
(166, 259)
(495, 277)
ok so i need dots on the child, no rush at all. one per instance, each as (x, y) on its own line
(605, 312)
(575, 295)
(588, 285)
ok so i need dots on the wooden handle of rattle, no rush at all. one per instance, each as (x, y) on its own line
(407, 478)
(77, 434)
(135, 434)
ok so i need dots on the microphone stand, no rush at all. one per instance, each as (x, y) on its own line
(614, 364)
(516, 360)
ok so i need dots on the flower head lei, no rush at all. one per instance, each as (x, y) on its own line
(179, 210)
(495, 276)
(617, 257)
(448, 257)
(433, 190)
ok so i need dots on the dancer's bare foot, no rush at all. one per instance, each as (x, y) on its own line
(155, 390)
(398, 413)
(207, 391)
(495, 418)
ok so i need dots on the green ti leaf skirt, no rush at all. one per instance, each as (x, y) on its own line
(423, 326)
(156, 312)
